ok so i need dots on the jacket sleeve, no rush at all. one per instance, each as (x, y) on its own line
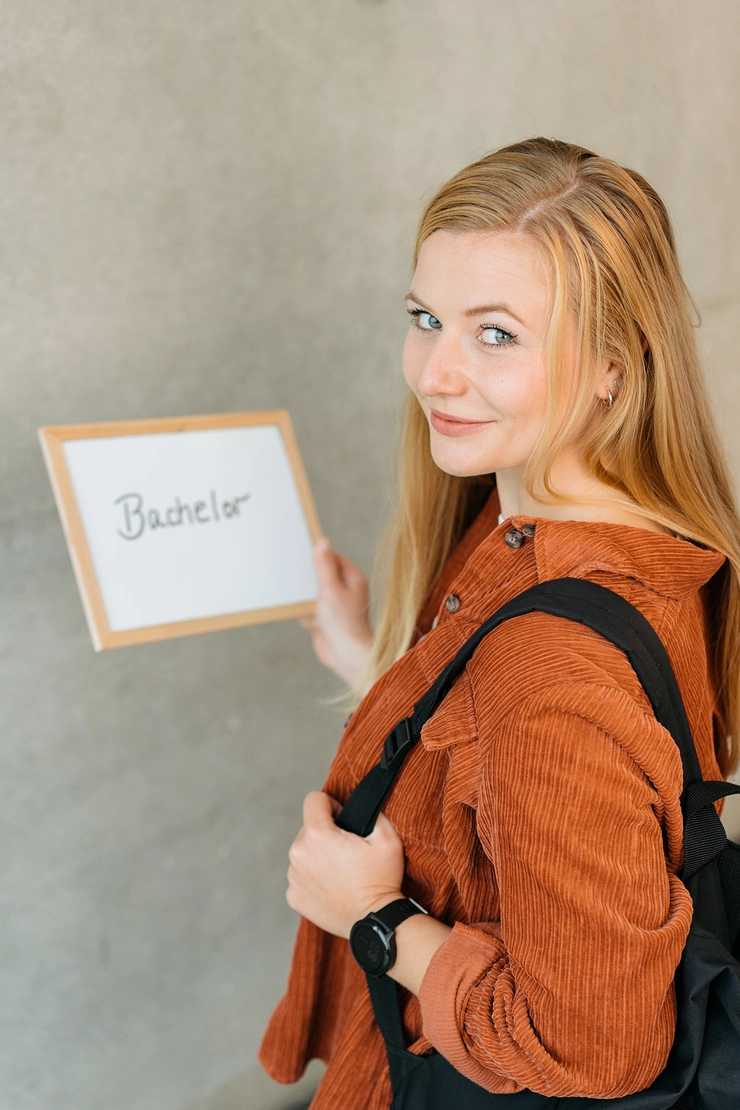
(571, 992)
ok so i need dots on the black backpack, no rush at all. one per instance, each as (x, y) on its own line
(703, 1069)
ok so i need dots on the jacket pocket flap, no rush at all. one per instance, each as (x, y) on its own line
(454, 722)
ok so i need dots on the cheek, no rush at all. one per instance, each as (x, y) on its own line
(412, 361)
(516, 395)
(516, 389)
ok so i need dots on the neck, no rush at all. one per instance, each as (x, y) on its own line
(571, 477)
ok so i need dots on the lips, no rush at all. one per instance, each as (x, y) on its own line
(455, 426)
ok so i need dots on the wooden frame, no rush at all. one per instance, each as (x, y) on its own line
(52, 439)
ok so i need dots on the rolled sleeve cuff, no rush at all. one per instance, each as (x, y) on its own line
(470, 954)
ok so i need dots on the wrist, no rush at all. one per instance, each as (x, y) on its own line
(383, 900)
(372, 906)
(372, 939)
(417, 942)
(355, 660)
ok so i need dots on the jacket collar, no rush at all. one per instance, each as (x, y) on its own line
(667, 565)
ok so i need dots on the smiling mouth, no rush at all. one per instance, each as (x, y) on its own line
(454, 425)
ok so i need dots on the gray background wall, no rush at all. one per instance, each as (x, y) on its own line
(207, 207)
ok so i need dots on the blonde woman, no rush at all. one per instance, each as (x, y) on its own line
(556, 426)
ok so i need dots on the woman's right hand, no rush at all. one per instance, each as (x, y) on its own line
(340, 627)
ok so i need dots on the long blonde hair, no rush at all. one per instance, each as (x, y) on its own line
(612, 260)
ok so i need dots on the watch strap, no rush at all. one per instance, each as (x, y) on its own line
(395, 912)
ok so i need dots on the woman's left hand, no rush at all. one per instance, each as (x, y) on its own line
(335, 877)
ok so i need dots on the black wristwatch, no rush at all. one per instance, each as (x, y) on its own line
(372, 940)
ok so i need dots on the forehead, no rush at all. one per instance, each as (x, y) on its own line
(467, 268)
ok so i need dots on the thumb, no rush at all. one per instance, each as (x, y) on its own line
(383, 826)
(318, 809)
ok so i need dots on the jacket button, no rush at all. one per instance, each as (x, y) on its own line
(453, 603)
(514, 538)
(528, 529)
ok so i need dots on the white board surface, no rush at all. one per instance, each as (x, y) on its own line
(192, 524)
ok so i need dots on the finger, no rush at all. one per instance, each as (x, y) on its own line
(327, 567)
(336, 806)
(317, 809)
(352, 577)
(290, 898)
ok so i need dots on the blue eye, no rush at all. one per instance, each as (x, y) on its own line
(424, 319)
(496, 337)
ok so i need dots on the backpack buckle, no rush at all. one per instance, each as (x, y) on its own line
(397, 745)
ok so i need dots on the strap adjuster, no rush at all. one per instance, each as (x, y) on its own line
(397, 746)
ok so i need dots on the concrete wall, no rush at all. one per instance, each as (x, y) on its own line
(208, 207)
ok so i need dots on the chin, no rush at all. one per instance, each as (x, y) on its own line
(463, 464)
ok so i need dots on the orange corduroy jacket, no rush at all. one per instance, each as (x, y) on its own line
(540, 817)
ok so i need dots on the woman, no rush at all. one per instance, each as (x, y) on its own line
(551, 356)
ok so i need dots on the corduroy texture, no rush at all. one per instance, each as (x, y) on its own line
(540, 817)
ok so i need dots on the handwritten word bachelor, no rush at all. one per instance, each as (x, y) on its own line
(136, 517)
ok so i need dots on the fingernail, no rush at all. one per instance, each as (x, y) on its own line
(323, 544)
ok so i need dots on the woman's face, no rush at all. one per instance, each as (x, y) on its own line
(475, 355)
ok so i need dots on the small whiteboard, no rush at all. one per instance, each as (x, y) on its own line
(186, 525)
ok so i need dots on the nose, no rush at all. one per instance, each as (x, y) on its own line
(443, 373)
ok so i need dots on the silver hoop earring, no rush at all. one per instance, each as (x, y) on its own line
(610, 402)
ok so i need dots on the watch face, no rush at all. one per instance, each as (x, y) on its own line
(369, 949)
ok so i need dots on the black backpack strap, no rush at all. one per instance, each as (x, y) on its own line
(360, 811)
(618, 621)
(384, 997)
(704, 835)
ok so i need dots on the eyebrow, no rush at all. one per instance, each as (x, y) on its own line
(479, 310)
